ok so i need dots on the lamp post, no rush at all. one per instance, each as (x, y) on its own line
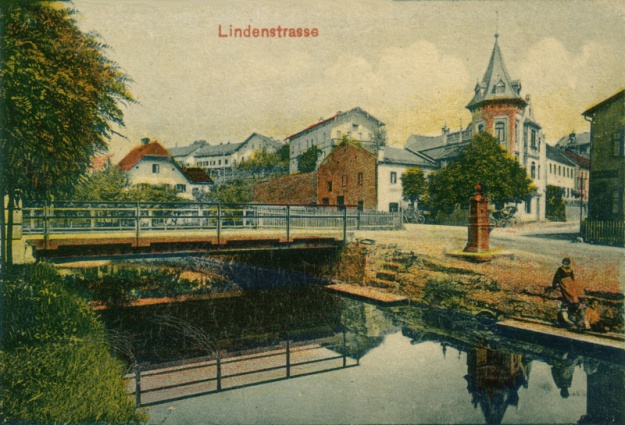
(581, 202)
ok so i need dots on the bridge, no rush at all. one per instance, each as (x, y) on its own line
(70, 230)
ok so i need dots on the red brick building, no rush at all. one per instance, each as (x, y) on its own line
(294, 189)
(348, 176)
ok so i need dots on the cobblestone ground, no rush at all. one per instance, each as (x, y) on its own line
(512, 285)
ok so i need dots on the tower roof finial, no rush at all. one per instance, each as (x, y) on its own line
(496, 24)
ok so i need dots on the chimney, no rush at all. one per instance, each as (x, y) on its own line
(145, 140)
(445, 130)
(381, 155)
(572, 138)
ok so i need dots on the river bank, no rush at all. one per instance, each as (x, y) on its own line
(413, 262)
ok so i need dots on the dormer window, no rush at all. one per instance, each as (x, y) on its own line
(499, 88)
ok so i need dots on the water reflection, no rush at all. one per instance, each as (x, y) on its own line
(403, 354)
(494, 379)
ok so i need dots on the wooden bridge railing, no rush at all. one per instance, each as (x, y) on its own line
(67, 218)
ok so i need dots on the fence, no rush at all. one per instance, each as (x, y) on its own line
(66, 217)
(160, 383)
(610, 232)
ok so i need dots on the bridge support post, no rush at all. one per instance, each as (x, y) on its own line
(218, 370)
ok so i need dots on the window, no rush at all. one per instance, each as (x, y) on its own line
(156, 168)
(533, 139)
(617, 201)
(181, 188)
(500, 132)
(550, 168)
(361, 179)
(499, 88)
(617, 145)
(219, 162)
(393, 177)
(225, 161)
(340, 200)
(325, 201)
(361, 205)
(355, 126)
(393, 207)
(329, 186)
(533, 170)
(344, 180)
(528, 205)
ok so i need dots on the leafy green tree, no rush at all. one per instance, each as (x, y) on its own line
(556, 208)
(233, 192)
(346, 140)
(109, 184)
(284, 154)
(483, 161)
(59, 101)
(379, 139)
(414, 185)
(307, 161)
(161, 194)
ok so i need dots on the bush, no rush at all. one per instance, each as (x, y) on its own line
(55, 361)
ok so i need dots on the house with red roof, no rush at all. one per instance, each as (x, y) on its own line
(356, 124)
(151, 163)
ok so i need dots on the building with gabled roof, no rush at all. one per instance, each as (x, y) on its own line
(357, 124)
(578, 143)
(152, 164)
(219, 160)
(184, 154)
(607, 163)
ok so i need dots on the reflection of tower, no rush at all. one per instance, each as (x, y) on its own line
(605, 403)
(493, 381)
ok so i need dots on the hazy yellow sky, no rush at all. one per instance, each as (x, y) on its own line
(412, 64)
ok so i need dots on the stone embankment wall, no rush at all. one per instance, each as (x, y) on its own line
(446, 284)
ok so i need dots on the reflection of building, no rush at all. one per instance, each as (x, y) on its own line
(605, 402)
(493, 381)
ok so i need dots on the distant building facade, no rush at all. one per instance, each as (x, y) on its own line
(578, 143)
(220, 160)
(607, 163)
(152, 164)
(356, 124)
(498, 108)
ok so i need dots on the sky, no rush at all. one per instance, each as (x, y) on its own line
(411, 64)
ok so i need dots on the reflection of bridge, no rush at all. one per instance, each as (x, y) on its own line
(157, 384)
(101, 229)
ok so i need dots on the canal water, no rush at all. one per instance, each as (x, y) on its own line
(359, 363)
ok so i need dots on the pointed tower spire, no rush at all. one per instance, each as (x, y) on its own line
(496, 83)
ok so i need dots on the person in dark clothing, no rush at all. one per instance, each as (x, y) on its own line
(572, 310)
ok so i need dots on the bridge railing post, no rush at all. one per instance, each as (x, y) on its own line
(137, 223)
(288, 358)
(288, 223)
(218, 224)
(137, 385)
(218, 370)
(345, 224)
(45, 224)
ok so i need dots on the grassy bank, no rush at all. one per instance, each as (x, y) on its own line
(55, 362)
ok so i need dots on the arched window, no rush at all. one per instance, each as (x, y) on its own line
(533, 170)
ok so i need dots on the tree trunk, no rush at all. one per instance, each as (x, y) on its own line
(2, 235)
(9, 231)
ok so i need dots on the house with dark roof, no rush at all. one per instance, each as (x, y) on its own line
(498, 108)
(150, 163)
(578, 143)
(184, 155)
(357, 124)
(219, 160)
